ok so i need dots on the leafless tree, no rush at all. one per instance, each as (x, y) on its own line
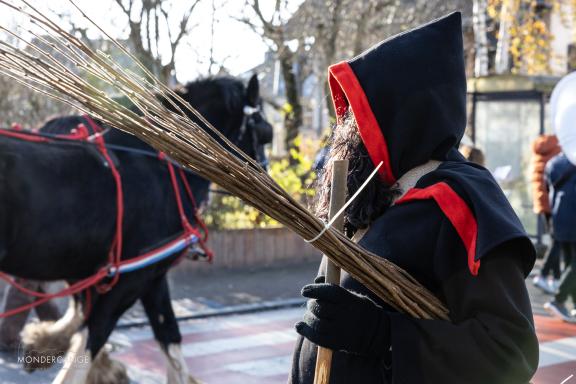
(273, 30)
(342, 29)
(328, 31)
(23, 106)
(148, 23)
(480, 35)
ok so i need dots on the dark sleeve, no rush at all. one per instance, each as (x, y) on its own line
(491, 338)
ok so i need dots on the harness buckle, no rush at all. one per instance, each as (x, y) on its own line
(111, 270)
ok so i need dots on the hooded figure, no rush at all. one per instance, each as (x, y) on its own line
(402, 104)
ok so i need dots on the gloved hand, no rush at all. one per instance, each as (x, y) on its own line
(344, 321)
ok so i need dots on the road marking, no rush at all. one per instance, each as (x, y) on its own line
(220, 323)
(238, 343)
(264, 367)
(557, 352)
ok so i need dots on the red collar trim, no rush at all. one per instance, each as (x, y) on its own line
(456, 210)
(347, 91)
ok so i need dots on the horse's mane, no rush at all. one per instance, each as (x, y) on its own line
(227, 90)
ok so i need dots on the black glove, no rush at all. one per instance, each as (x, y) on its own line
(344, 321)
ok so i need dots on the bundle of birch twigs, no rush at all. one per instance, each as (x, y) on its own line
(63, 77)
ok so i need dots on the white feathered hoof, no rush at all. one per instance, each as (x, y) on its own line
(41, 346)
(176, 369)
(104, 370)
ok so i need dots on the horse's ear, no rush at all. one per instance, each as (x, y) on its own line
(253, 91)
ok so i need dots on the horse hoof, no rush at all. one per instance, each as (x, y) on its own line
(41, 346)
(104, 370)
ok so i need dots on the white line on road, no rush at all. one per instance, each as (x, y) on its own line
(274, 366)
(557, 352)
(216, 324)
(227, 344)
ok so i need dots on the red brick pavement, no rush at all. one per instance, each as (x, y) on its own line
(256, 349)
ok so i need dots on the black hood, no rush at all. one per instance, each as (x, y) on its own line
(408, 95)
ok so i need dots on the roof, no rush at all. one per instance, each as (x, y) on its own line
(512, 83)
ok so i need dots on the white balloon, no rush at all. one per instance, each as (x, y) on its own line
(563, 114)
(566, 130)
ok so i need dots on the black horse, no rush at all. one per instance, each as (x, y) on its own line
(57, 220)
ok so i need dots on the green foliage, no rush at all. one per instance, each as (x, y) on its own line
(229, 212)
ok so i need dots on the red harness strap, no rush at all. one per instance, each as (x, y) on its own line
(114, 256)
(456, 210)
(79, 133)
(201, 239)
(24, 136)
(115, 253)
(188, 228)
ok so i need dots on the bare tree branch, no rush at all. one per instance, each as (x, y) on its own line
(126, 10)
(273, 30)
(145, 33)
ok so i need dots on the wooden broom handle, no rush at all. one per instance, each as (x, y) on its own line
(337, 200)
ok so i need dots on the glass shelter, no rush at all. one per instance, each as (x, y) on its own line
(508, 113)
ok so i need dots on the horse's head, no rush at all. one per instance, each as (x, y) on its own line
(234, 109)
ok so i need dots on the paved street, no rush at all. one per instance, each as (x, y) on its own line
(247, 349)
(255, 348)
(557, 351)
(557, 344)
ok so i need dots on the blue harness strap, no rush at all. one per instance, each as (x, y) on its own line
(177, 245)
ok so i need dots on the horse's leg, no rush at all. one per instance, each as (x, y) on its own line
(159, 310)
(43, 342)
(10, 327)
(79, 365)
(76, 361)
(106, 310)
(48, 310)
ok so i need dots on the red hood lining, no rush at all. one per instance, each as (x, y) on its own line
(347, 92)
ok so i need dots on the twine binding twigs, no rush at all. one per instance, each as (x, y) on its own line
(191, 144)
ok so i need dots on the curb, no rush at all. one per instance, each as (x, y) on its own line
(226, 311)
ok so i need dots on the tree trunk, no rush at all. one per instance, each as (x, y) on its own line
(166, 73)
(502, 63)
(330, 52)
(293, 114)
(479, 17)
